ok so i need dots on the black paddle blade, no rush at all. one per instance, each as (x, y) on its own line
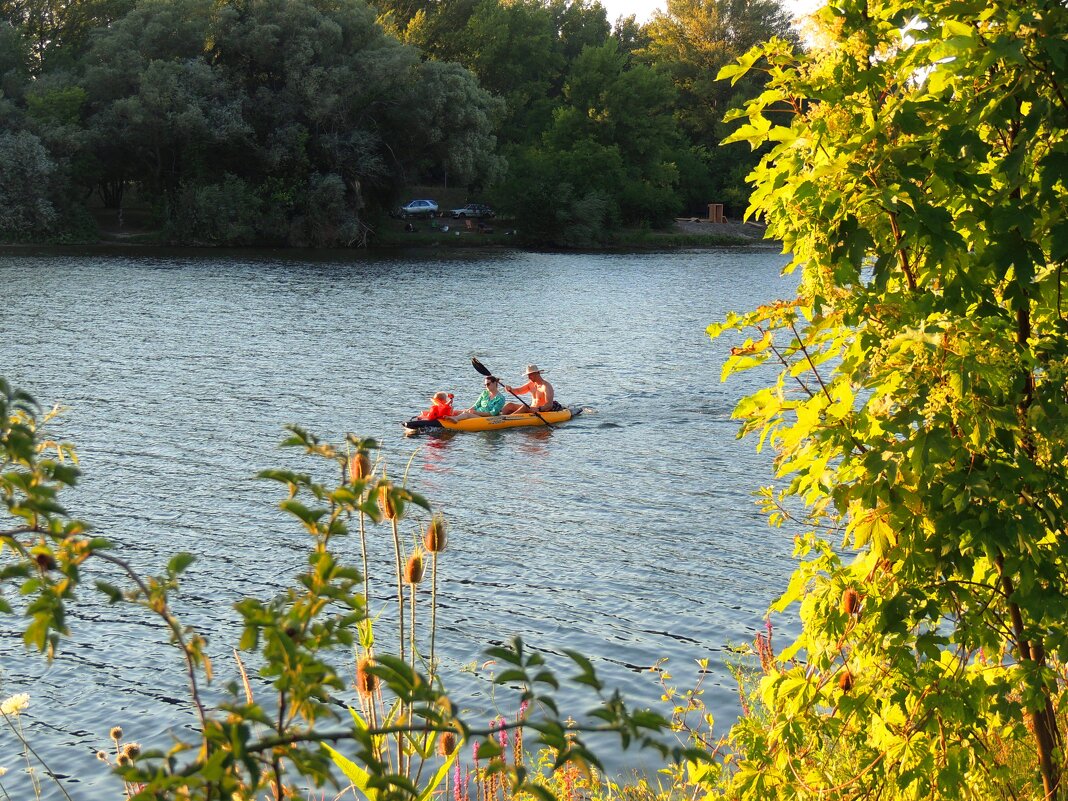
(480, 367)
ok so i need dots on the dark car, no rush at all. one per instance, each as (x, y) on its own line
(473, 210)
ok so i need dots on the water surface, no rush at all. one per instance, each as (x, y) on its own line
(629, 534)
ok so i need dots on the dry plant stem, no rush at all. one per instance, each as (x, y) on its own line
(244, 678)
(411, 633)
(176, 630)
(27, 750)
(433, 610)
(363, 556)
(400, 585)
(276, 763)
(400, 624)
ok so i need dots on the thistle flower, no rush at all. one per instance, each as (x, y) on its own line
(436, 538)
(850, 601)
(366, 681)
(385, 502)
(359, 466)
(15, 704)
(116, 733)
(446, 743)
(414, 569)
(845, 681)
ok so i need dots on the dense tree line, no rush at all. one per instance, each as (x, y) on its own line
(301, 121)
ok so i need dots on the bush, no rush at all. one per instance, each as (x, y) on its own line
(219, 214)
(26, 172)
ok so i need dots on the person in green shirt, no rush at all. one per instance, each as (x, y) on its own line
(489, 403)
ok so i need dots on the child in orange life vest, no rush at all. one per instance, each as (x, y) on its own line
(440, 406)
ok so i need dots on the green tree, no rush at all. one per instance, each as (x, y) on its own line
(55, 33)
(26, 175)
(918, 176)
(693, 39)
(613, 136)
(690, 42)
(309, 111)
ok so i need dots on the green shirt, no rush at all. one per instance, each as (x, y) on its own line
(489, 405)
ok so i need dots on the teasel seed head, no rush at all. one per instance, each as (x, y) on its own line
(436, 538)
(359, 466)
(414, 569)
(366, 681)
(850, 601)
(446, 743)
(385, 502)
(116, 733)
(845, 681)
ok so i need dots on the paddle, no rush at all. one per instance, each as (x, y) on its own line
(485, 371)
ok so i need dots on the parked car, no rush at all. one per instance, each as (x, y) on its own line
(419, 208)
(474, 210)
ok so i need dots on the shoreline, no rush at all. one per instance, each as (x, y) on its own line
(686, 233)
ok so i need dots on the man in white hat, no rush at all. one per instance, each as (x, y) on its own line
(541, 394)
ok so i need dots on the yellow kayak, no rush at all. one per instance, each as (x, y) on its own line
(491, 423)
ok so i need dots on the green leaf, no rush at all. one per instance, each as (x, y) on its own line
(353, 772)
(179, 562)
(113, 593)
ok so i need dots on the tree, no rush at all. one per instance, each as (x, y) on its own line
(309, 111)
(919, 179)
(693, 39)
(26, 174)
(607, 159)
(55, 33)
(690, 42)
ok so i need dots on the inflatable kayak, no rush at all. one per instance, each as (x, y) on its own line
(490, 423)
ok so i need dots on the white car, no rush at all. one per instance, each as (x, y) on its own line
(419, 208)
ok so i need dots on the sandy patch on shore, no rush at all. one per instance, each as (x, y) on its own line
(695, 225)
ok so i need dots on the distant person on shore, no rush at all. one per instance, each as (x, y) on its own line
(541, 393)
(440, 406)
(489, 403)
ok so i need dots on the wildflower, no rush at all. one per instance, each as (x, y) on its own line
(123, 761)
(116, 733)
(102, 756)
(131, 750)
(502, 735)
(436, 538)
(15, 704)
(413, 571)
(366, 681)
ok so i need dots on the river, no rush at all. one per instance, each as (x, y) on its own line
(629, 534)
